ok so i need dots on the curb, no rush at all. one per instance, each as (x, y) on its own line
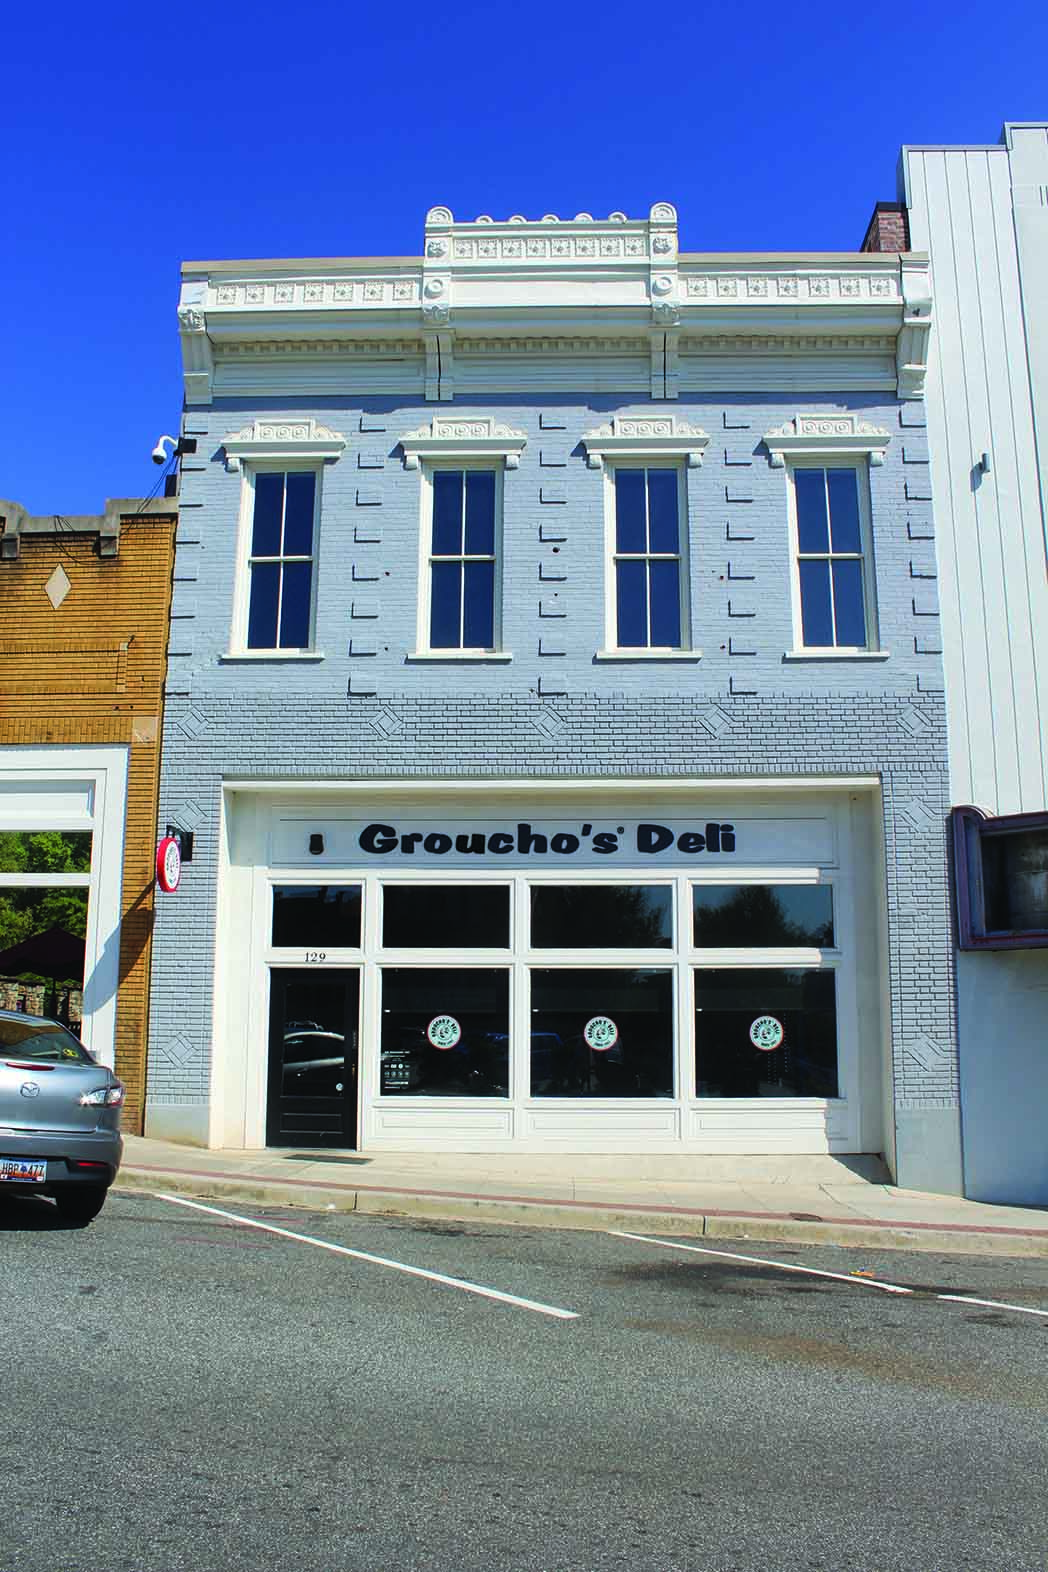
(591, 1217)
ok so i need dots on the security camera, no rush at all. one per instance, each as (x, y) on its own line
(159, 456)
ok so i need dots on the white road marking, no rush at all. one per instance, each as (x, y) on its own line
(991, 1304)
(814, 1271)
(756, 1260)
(379, 1260)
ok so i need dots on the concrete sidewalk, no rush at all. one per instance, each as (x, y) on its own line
(818, 1200)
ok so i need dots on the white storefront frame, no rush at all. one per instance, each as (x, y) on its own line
(685, 1123)
(78, 788)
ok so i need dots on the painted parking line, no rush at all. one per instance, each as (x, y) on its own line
(814, 1271)
(380, 1260)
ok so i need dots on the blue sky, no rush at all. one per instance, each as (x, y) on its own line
(138, 137)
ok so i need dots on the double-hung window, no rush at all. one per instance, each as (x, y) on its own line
(647, 557)
(833, 570)
(463, 559)
(281, 560)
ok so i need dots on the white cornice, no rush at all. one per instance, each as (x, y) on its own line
(826, 436)
(465, 437)
(282, 439)
(645, 436)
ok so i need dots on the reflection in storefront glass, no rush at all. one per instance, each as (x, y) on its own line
(601, 1033)
(437, 916)
(316, 916)
(751, 916)
(445, 1032)
(42, 951)
(762, 1032)
(45, 851)
(601, 916)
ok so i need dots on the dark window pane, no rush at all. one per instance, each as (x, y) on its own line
(479, 608)
(262, 616)
(445, 1032)
(816, 617)
(447, 512)
(623, 916)
(746, 915)
(601, 1033)
(844, 509)
(665, 603)
(664, 534)
(446, 606)
(630, 530)
(847, 602)
(480, 512)
(810, 487)
(439, 916)
(1015, 880)
(269, 508)
(631, 602)
(298, 515)
(317, 916)
(797, 1009)
(294, 605)
(44, 851)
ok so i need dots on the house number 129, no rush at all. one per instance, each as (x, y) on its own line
(315, 955)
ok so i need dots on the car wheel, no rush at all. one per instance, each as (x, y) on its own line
(81, 1204)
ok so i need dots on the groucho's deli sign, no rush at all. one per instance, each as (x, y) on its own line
(544, 840)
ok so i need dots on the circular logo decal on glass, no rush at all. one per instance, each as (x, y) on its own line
(766, 1033)
(444, 1031)
(600, 1033)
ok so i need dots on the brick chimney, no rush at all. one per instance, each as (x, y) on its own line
(888, 229)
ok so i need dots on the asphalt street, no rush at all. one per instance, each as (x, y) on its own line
(182, 1390)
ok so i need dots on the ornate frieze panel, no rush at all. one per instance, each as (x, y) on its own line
(645, 436)
(826, 436)
(464, 437)
(315, 293)
(282, 439)
(711, 288)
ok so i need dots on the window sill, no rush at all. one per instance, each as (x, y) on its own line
(478, 657)
(830, 654)
(639, 654)
(232, 657)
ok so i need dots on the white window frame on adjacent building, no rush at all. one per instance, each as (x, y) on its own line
(648, 442)
(463, 444)
(267, 447)
(842, 442)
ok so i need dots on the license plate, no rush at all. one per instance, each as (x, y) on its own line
(13, 1168)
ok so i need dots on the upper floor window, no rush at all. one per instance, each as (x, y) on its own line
(463, 559)
(647, 558)
(280, 561)
(833, 578)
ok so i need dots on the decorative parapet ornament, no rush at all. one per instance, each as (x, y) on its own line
(465, 437)
(645, 436)
(826, 436)
(282, 439)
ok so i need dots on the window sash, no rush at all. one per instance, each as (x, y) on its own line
(648, 581)
(279, 611)
(463, 582)
(832, 584)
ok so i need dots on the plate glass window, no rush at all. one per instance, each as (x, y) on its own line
(281, 560)
(463, 560)
(441, 916)
(765, 1032)
(601, 1032)
(316, 916)
(832, 566)
(647, 559)
(602, 916)
(445, 1032)
(758, 916)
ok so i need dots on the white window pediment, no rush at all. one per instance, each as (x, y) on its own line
(645, 437)
(826, 437)
(464, 438)
(283, 440)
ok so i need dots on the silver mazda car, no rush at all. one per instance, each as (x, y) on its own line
(59, 1117)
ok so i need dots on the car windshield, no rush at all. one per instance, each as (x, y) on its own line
(29, 1037)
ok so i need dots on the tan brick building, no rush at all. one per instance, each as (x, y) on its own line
(84, 610)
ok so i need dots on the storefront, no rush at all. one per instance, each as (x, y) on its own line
(551, 967)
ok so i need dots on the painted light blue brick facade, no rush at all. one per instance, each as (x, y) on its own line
(739, 711)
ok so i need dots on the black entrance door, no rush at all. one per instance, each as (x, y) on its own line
(313, 1022)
